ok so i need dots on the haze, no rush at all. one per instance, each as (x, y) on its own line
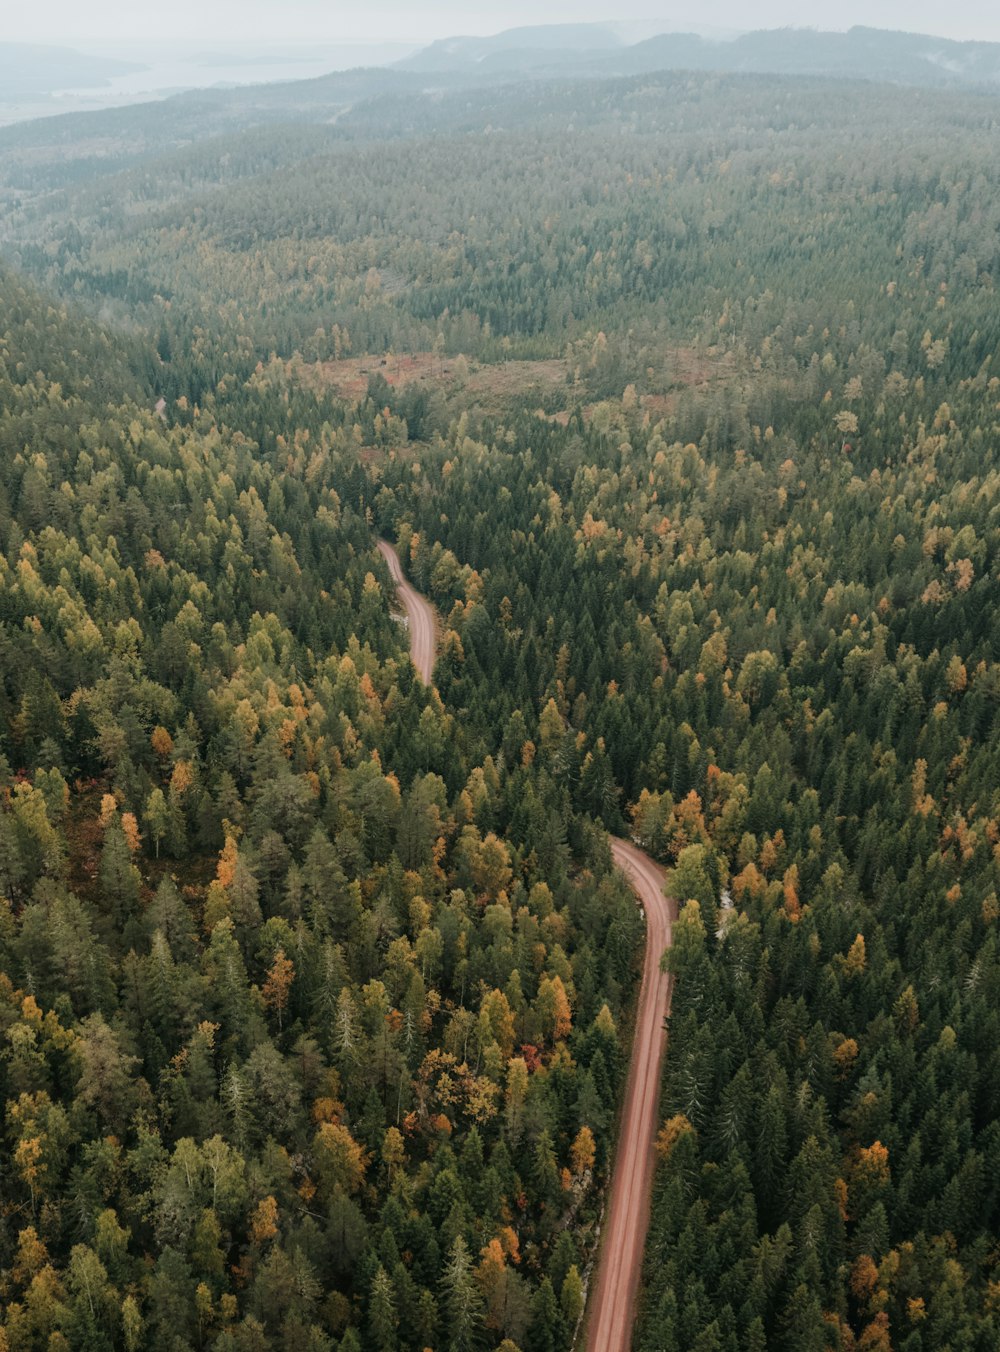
(194, 22)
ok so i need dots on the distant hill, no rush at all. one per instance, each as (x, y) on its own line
(593, 49)
(516, 47)
(865, 53)
(93, 143)
(360, 102)
(27, 70)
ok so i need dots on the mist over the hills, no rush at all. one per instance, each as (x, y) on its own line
(38, 80)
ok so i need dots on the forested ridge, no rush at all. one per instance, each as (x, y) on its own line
(316, 980)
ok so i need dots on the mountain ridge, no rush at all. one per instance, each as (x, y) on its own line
(889, 55)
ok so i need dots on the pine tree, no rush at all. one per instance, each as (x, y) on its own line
(462, 1304)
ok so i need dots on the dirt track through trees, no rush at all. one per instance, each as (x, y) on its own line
(615, 1291)
(615, 1294)
(419, 613)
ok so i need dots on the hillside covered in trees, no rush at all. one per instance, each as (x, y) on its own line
(678, 395)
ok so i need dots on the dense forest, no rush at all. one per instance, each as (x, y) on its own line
(677, 395)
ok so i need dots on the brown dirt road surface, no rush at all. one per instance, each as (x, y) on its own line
(613, 1302)
(419, 613)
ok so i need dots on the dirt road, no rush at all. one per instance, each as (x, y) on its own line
(423, 626)
(613, 1303)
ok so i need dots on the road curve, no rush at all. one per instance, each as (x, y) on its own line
(615, 1293)
(419, 613)
(613, 1303)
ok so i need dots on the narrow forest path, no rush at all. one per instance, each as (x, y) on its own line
(615, 1291)
(419, 613)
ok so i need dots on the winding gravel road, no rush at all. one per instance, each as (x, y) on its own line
(614, 1293)
(419, 613)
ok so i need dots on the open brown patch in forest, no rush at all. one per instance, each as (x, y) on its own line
(549, 381)
(502, 380)
(683, 368)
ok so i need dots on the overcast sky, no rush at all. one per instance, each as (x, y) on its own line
(334, 21)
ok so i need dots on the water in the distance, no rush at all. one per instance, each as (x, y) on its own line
(169, 71)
